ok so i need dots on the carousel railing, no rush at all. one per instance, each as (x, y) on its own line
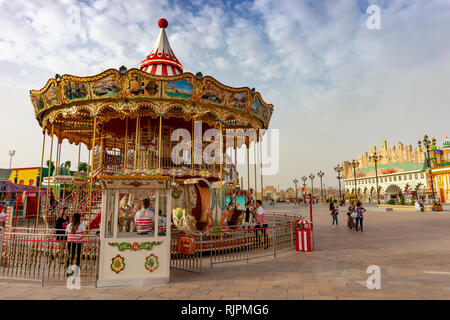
(47, 256)
(87, 183)
(233, 243)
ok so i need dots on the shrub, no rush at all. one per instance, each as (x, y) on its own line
(413, 202)
(392, 201)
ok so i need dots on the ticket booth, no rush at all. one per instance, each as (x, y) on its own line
(126, 256)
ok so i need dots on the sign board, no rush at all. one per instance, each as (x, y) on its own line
(185, 245)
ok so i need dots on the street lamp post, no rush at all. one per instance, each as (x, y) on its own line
(427, 144)
(296, 195)
(11, 153)
(311, 176)
(304, 178)
(320, 174)
(375, 157)
(339, 169)
(355, 164)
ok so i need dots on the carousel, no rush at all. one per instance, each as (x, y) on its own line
(155, 133)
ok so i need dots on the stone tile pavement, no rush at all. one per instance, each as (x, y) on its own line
(411, 249)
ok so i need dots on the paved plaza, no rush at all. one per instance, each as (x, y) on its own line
(411, 249)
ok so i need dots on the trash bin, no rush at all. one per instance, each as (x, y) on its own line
(304, 236)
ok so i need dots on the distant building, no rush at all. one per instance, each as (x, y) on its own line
(270, 192)
(440, 163)
(401, 171)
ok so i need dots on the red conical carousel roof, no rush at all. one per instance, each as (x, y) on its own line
(162, 61)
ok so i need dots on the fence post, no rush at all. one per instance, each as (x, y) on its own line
(211, 249)
(274, 241)
(291, 231)
(45, 260)
(248, 242)
(97, 258)
(1, 247)
(201, 252)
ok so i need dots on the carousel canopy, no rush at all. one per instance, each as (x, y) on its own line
(70, 105)
(162, 61)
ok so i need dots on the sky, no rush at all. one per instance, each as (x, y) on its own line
(337, 87)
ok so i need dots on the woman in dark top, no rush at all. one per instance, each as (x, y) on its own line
(61, 224)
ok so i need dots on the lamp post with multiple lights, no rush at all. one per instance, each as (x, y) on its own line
(11, 153)
(375, 157)
(295, 183)
(304, 178)
(339, 169)
(427, 144)
(355, 164)
(320, 174)
(311, 176)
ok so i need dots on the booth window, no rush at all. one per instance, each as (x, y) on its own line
(109, 214)
(137, 213)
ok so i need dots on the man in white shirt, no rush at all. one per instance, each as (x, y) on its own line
(145, 218)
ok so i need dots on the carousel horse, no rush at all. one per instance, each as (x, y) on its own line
(200, 202)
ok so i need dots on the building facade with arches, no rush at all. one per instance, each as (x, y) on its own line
(401, 172)
(440, 163)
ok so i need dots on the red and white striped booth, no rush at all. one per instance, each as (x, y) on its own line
(304, 236)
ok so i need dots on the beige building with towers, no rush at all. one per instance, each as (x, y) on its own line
(401, 171)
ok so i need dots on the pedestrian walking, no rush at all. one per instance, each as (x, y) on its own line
(334, 212)
(359, 216)
(351, 213)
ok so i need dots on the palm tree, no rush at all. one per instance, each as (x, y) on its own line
(83, 167)
(51, 166)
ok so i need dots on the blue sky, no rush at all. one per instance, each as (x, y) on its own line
(338, 87)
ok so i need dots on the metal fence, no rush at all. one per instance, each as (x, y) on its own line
(186, 252)
(31, 254)
(234, 243)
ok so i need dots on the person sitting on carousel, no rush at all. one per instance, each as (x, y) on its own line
(229, 208)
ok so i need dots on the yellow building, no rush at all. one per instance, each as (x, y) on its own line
(25, 176)
(440, 163)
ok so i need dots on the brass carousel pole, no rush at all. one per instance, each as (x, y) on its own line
(159, 141)
(192, 146)
(140, 140)
(235, 169)
(126, 145)
(254, 159)
(220, 169)
(92, 174)
(79, 153)
(135, 144)
(56, 173)
(101, 147)
(260, 164)
(48, 182)
(248, 162)
(38, 209)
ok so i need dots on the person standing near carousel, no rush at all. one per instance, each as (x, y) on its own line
(262, 223)
(250, 208)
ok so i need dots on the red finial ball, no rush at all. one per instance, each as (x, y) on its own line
(162, 23)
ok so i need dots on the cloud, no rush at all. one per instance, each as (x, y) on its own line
(337, 87)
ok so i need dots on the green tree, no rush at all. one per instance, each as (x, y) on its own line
(51, 166)
(83, 167)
